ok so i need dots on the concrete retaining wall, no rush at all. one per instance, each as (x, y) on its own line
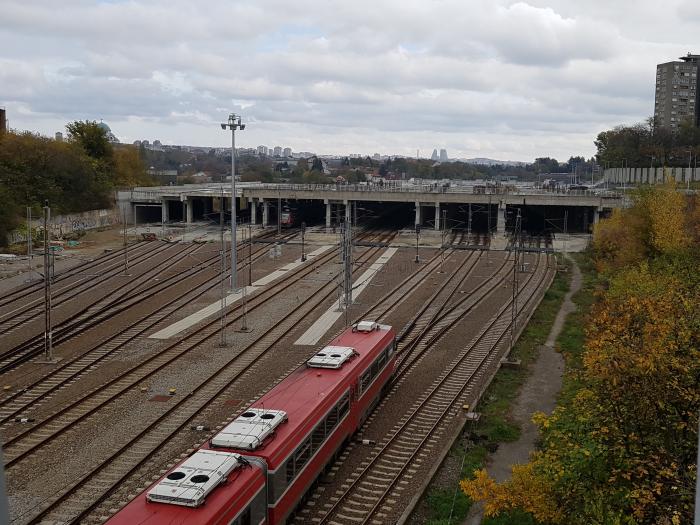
(63, 224)
(650, 175)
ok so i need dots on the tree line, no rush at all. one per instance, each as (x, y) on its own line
(620, 448)
(646, 145)
(75, 175)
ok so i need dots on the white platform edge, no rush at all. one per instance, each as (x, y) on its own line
(323, 323)
(214, 308)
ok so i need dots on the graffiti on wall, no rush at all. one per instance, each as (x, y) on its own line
(61, 225)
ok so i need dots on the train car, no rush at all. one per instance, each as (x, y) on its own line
(287, 219)
(283, 440)
(208, 488)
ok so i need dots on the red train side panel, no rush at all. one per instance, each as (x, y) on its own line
(258, 468)
(239, 499)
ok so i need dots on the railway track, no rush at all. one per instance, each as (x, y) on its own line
(20, 315)
(149, 284)
(38, 286)
(20, 404)
(79, 499)
(374, 489)
(91, 315)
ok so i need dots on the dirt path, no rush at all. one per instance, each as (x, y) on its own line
(538, 394)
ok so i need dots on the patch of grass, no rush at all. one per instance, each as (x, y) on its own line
(495, 425)
(516, 517)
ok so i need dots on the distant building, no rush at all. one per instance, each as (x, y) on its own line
(59, 136)
(443, 155)
(262, 150)
(277, 152)
(164, 177)
(137, 143)
(287, 152)
(108, 132)
(677, 96)
(434, 156)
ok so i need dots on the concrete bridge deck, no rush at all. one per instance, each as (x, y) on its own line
(189, 202)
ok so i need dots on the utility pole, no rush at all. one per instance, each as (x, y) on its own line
(29, 242)
(515, 246)
(347, 269)
(234, 123)
(469, 224)
(48, 335)
(488, 248)
(126, 245)
(417, 236)
(442, 247)
(279, 215)
(222, 256)
(244, 324)
(250, 255)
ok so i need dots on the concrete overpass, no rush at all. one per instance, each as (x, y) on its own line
(431, 205)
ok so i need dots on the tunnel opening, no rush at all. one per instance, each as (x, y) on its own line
(551, 220)
(147, 213)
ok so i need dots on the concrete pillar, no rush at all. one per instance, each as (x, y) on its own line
(418, 215)
(253, 212)
(329, 214)
(188, 210)
(596, 215)
(164, 211)
(437, 216)
(348, 211)
(501, 220)
(266, 213)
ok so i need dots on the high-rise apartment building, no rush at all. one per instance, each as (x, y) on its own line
(443, 155)
(262, 150)
(277, 152)
(676, 92)
(434, 156)
(287, 152)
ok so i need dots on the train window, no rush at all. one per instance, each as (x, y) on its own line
(382, 359)
(318, 436)
(290, 469)
(375, 368)
(343, 406)
(365, 380)
(331, 420)
(245, 518)
(302, 456)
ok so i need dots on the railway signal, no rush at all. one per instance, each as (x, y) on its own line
(303, 230)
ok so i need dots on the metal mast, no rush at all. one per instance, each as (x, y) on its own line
(48, 333)
(234, 122)
(515, 246)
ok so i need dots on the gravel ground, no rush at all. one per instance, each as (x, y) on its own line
(58, 463)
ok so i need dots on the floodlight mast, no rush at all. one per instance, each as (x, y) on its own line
(234, 122)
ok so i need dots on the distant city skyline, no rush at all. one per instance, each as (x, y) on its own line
(496, 78)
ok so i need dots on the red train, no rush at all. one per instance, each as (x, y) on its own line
(287, 219)
(258, 468)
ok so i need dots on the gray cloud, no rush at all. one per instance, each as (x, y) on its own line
(508, 79)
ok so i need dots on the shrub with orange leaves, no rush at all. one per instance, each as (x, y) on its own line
(621, 447)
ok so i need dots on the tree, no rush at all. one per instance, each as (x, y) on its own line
(621, 447)
(91, 137)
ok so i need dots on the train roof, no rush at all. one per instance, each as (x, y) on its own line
(295, 405)
(177, 498)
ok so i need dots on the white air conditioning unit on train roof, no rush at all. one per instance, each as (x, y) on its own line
(331, 357)
(190, 483)
(366, 326)
(250, 429)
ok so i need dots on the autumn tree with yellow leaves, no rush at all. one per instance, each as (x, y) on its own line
(621, 447)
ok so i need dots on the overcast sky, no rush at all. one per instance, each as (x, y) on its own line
(482, 78)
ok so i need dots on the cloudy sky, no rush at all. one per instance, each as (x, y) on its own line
(482, 78)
